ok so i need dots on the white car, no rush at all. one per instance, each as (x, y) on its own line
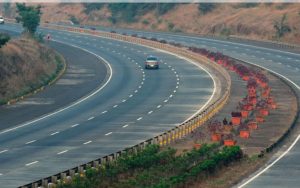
(1, 20)
(152, 62)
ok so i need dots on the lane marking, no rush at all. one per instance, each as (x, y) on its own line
(91, 118)
(150, 112)
(272, 164)
(136, 91)
(123, 100)
(108, 133)
(125, 126)
(75, 125)
(104, 112)
(115, 106)
(158, 106)
(28, 164)
(166, 100)
(110, 72)
(30, 142)
(87, 142)
(59, 153)
(130, 95)
(140, 118)
(3, 151)
(54, 133)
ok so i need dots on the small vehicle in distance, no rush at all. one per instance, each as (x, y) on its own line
(152, 62)
(1, 20)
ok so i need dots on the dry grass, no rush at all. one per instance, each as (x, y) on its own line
(25, 65)
(256, 22)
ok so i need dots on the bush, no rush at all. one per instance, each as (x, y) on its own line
(4, 38)
(246, 5)
(128, 12)
(205, 8)
(281, 27)
(170, 26)
(90, 7)
(145, 22)
(74, 20)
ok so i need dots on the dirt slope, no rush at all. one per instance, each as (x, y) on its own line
(25, 66)
(256, 22)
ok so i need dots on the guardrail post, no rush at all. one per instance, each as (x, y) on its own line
(34, 185)
(160, 140)
(53, 179)
(72, 173)
(63, 176)
(44, 183)
(173, 133)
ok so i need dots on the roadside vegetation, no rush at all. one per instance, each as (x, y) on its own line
(26, 64)
(158, 168)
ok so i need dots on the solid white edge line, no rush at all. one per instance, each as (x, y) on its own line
(110, 72)
(28, 164)
(270, 165)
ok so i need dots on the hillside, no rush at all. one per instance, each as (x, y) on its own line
(25, 66)
(251, 20)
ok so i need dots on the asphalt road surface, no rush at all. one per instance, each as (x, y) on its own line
(286, 171)
(129, 105)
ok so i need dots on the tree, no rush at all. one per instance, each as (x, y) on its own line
(29, 16)
(281, 27)
(4, 38)
(206, 7)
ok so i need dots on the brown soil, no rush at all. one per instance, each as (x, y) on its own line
(256, 22)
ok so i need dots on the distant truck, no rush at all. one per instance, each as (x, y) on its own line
(1, 20)
(152, 62)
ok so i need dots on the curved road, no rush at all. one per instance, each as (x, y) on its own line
(134, 105)
(283, 169)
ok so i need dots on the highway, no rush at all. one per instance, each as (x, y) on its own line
(284, 172)
(128, 105)
(283, 169)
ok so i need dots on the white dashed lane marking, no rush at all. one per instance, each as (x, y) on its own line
(108, 133)
(28, 164)
(54, 133)
(30, 142)
(158, 106)
(3, 151)
(150, 112)
(115, 106)
(125, 126)
(104, 112)
(59, 153)
(140, 118)
(87, 142)
(91, 118)
(75, 125)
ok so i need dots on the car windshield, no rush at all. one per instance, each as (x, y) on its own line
(151, 59)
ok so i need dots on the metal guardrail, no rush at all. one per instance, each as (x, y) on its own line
(163, 139)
